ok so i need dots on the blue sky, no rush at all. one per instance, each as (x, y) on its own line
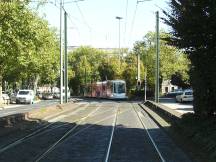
(93, 22)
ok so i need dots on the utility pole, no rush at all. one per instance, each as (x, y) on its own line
(61, 56)
(66, 59)
(145, 85)
(138, 72)
(157, 59)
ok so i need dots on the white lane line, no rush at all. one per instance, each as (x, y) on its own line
(111, 137)
(154, 144)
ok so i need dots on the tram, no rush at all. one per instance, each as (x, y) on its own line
(111, 89)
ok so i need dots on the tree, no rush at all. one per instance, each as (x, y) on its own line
(130, 71)
(193, 26)
(110, 68)
(28, 47)
(177, 79)
(83, 65)
(172, 60)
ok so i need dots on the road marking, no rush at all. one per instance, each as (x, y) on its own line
(111, 137)
(154, 144)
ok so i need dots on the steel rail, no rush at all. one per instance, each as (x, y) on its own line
(72, 135)
(37, 132)
(149, 135)
(111, 136)
(60, 140)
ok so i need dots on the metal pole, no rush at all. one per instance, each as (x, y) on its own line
(61, 57)
(157, 58)
(85, 89)
(145, 84)
(119, 42)
(138, 71)
(66, 60)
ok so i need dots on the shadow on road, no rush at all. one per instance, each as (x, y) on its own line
(86, 142)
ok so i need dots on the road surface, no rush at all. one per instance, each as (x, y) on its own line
(96, 131)
(183, 108)
(21, 108)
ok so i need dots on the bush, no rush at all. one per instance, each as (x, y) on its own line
(201, 130)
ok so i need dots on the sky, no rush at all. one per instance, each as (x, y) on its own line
(93, 22)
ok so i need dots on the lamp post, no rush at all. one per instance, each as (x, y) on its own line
(119, 18)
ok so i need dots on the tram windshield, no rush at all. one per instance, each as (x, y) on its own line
(121, 88)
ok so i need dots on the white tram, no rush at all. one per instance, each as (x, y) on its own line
(111, 89)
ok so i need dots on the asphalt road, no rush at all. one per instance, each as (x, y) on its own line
(186, 107)
(21, 108)
(97, 131)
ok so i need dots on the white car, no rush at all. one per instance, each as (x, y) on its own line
(25, 96)
(186, 96)
(5, 98)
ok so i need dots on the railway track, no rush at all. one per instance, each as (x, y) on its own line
(96, 134)
(139, 114)
(43, 129)
(69, 131)
(72, 133)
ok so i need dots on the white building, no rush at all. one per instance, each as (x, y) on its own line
(168, 87)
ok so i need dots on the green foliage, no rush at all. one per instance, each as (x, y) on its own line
(83, 67)
(109, 68)
(28, 47)
(172, 60)
(201, 131)
(193, 26)
(177, 79)
(130, 72)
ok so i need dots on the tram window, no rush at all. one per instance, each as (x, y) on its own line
(115, 87)
(121, 88)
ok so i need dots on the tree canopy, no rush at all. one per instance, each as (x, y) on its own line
(193, 26)
(28, 46)
(172, 60)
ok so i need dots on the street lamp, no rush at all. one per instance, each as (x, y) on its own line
(119, 18)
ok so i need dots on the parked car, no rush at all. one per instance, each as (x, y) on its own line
(56, 95)
(174, 93)
(25, 96)
(5, 98)
(186, 96)
(47, 96)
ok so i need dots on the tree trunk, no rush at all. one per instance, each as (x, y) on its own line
(36, 83)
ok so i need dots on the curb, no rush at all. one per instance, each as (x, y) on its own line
(11, 120)
(172, 115)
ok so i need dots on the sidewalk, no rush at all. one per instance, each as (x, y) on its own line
(181, 108)
(14, 105)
